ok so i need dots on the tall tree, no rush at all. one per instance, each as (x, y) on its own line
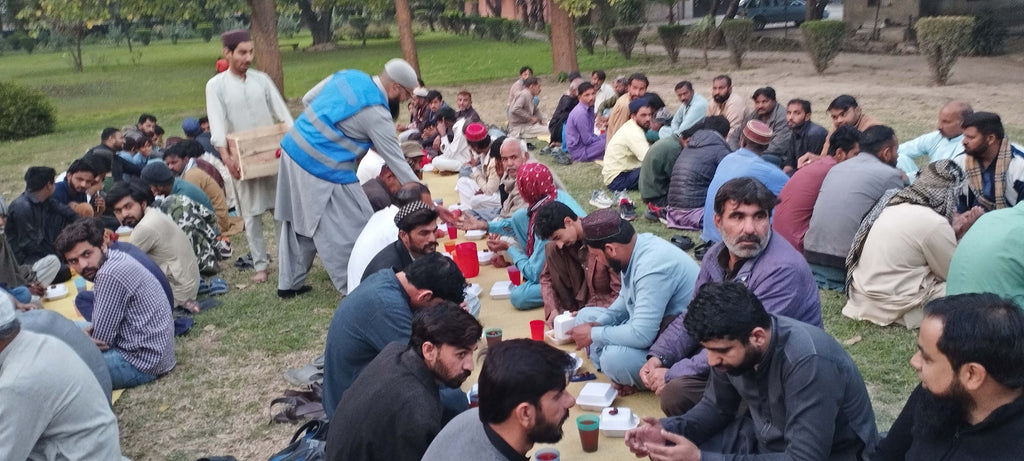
(815, 9)
(732, 9)
(263, 27)
(71, 18)
(563, 40)
(403, 16)
(319, 20)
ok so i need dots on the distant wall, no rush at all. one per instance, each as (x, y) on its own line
(862, 12)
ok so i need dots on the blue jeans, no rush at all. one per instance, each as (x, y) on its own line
(620, 363)
(829, 278)
(124, 375)
(627, 180)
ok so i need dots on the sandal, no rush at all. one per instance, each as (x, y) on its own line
(218, 286)
(303, 376)
(245, 263)
(191, 306)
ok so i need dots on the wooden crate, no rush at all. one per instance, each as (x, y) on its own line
(256, 150)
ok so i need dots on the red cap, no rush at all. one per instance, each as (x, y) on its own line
(476, 132)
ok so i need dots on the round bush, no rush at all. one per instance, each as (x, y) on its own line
(824, 41)
(588, 37)
(671, 36)
(625, 38)
(942, 40)
(24, 113)
(738, 33)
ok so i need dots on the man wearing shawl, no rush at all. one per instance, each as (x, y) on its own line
(994, 167)
(900, 256)
(537, 187)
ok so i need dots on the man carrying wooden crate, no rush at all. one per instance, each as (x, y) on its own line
(320, 204)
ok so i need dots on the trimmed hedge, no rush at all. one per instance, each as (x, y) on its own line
(672, 38)
(824, 40)
(943, 39)
(205, 30)
(738, 34)
(625, 38)
(24, 113)
(588, 37)
(988, 36)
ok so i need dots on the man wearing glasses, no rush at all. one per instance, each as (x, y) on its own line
(320, 204)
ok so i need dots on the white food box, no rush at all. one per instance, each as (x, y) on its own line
(596, 396)
(616, 425)
(562, 324)
(484, 256)
(55, 292)
(475, 234)
(501, 290)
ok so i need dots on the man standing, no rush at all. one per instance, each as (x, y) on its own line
(379, 312)
(417, 236)
(53, 406)
(848, 192)
(994, 167)
(796, 201)
(238, 100)
(580, 140)
(900, 256)
(749, 253)
(728, 105)
(158, 236)
(807, 136)
(692, 108)
(746, 161)
(524, 118)
(768, 110)
(636, 88)
(627, 148)
(573, 276)
(970, 360)
(523, 402)
(393, 409)
(657, 283)
(34, 220)
(320, 204)
(942, 144)
(131, 318)
(805, 397)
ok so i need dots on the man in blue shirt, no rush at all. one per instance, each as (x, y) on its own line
(746, 161)
(942, 144)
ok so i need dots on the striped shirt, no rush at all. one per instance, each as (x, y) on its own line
(132, 314)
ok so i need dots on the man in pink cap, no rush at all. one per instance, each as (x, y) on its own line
(745, 161)
(479, 180)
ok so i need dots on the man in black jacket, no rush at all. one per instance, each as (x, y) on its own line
(970, 404)
(417, 236)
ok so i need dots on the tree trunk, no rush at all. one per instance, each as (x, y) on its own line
(730, 11)
(671, 13)
(318, 22)
(267, 54)
(404, 19)
(495, 7)
(76, 55)
(563, 40)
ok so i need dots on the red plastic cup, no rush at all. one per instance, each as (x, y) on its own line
(537, 330)
(453, 232)
(587, 425)
(514, 275)
(449, 247)
(493, 336)
(547, 454)
(467, 260)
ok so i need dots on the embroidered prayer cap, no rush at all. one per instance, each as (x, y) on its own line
(420, 91)
(601, 224)
(6, 310)
(402, 73)
(635, 106)
(412, 149)
(758, 132)
(190, 126)
(476, 132)
(157, 173)
(408, 209)
(232, 38)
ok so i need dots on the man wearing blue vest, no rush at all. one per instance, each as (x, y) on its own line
(320, 204)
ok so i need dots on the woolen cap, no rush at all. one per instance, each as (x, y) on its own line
(476, 132)
(636, 104)
(402, 73)
(420, 91)
(190, 126)
(412, 149)
(757, 132)
(600, 224)
(232, 38)
(157, 173)
(664, 115)
(408, 209)
(6, 310)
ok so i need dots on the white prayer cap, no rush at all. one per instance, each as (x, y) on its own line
(6, 309)
(402, 73)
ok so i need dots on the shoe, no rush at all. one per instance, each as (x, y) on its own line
(599, 199)
(620, 195)
(683, 242)
(626, 210)
(562, 158)
(287, 294)
(655, 214)
(651, 216)
(546, 150)
(700, 250)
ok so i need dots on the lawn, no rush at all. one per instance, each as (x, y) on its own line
(230, 365)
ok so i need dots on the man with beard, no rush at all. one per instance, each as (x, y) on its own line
(417, 236)
(82, 176)
(111, 142)
(320, 204)
(657, 283)
(768, 110)
(523, 401)
(806, 136)
(942, 144)
(626, 151)
(464, 104)
(728, 105)
(157, 235)
(994, 167)
(969, 406)
(238, 100)
(131, 318)
(393, 410)
(805, 397)
(636, 88)
(677, 367)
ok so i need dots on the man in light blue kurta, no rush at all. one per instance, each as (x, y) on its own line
(528, 294)
(657, 284)
(942, 144)
(692, 108)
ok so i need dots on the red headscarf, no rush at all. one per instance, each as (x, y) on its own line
(537, 187)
